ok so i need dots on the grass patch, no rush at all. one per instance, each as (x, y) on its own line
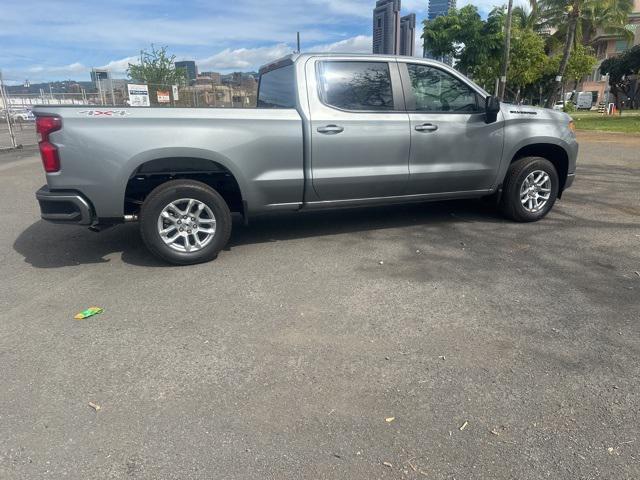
(629, 122)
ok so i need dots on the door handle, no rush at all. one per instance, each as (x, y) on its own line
(331, 129)
(426, 127)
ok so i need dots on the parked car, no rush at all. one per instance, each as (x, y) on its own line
(329, 131)
(20, 115)
(559, 106)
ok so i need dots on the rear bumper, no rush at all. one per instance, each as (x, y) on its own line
(64, 206)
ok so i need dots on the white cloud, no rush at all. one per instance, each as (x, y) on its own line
(73, 68)
(357, 44)
(243, 58)
(119, 66)
(253, 58)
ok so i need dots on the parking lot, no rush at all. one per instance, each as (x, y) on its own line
(433, 341)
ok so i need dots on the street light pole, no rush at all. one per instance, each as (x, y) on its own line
(5, 102)
(507, 48)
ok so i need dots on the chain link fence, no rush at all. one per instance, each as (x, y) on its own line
(202, 93)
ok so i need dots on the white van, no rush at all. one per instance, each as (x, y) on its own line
(584, 101)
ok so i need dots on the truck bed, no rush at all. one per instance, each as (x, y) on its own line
(260, 147)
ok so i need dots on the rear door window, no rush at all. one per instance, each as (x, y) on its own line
(356, 86)
(277, 88)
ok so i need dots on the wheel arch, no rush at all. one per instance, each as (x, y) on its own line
(148, 171)
(553, 152)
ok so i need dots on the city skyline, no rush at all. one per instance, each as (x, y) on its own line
(218, 36)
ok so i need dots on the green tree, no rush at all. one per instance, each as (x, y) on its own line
(621, 71)
(528, 18)
(569, 16)
(157, 69)
(609, 17)
(581, 63)
(528, 60)
(475, 44)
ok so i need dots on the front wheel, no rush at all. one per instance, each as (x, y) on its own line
(185, 222)
(530, 189)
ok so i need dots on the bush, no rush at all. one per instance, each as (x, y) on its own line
(569, 107)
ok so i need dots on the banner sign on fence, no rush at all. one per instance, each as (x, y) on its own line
(163, 96)
(138, 95)
(176, 97)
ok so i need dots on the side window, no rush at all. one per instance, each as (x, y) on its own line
(356, 85)
(438, 91)
(277, 88)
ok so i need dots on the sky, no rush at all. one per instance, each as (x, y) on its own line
(47, 40)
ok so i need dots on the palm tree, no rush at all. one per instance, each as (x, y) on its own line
(610, 18)
(528, 18)
(507, 51)
(570, 17)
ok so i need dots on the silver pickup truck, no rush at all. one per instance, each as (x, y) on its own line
(329, 131)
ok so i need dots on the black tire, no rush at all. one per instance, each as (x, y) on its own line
(170, 192)
(510, 202)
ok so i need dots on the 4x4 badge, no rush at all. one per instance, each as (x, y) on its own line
(105, 113)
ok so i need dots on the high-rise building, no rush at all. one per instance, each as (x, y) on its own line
(437, 8)
(408, 35)
(190, 68)
(386, 27)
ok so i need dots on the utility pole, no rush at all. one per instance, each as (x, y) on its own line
(507, 48)
(113, 98)
(5, 102)
(99, 84)
(298, 42)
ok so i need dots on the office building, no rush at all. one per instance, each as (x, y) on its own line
(215, 77)
(408, 35)
(190, 67)
(438, 8)
(386, 27)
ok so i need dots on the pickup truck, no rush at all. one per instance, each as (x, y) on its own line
(328, 131)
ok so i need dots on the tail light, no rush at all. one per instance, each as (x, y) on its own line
(48, 151)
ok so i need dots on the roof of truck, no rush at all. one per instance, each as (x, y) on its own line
(294, 57)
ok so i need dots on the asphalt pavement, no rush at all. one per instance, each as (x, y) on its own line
(430, 341)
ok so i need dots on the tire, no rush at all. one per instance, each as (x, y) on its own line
(165, 208)
(533, 205)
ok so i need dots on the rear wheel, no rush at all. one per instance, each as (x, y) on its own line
(530, 189)
(185, 222)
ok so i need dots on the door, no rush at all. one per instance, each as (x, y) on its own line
(453, 149)
(359, 129)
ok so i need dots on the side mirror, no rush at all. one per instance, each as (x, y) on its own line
(492, 108)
